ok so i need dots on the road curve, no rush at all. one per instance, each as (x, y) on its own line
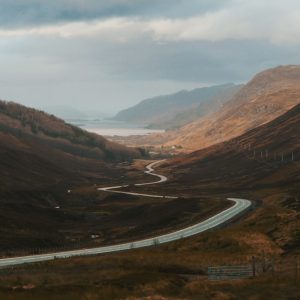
(149, 171)
(240, 206)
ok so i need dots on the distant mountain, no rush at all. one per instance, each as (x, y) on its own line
(267, 96)
(40, 149)
(175, 110)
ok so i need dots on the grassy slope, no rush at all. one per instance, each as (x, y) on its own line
(249, 161)
(30, 130)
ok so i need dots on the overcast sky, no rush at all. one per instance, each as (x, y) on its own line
(105, 55)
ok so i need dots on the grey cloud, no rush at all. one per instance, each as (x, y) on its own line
(17, 13)
(143, 59)
(108, 76)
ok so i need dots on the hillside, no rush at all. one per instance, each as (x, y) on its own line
(267, 96)
(262, 165)
(43, 159)
(175, 110)
(267, 156)
(37, 148)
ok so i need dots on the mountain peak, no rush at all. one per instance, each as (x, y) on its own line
(278, 74)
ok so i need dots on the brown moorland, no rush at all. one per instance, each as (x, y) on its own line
(178, 270)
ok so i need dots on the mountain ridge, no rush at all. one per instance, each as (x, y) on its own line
(162, 112)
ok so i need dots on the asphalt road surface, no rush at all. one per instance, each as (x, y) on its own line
(240, 206)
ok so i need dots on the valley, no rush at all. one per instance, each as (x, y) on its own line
(149, 150)
(145, 220)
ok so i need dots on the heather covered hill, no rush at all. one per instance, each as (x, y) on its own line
(268, 155)
(27, 121)
(175, 110)
(37, 149)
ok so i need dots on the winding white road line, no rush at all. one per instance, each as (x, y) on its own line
(150, 171)
(240, 206)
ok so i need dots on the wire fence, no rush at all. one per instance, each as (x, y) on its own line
(258, 266)
(262, 154)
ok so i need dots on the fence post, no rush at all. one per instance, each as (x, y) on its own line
(264, 262)
(296, 272)
(253, 266)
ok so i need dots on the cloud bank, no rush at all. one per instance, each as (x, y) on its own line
(241, 20)
(111, 54)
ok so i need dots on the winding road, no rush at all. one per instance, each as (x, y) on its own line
(240, 206)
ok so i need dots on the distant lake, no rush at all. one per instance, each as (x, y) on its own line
(111, 127)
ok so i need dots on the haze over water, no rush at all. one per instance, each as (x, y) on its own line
(111, 127)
